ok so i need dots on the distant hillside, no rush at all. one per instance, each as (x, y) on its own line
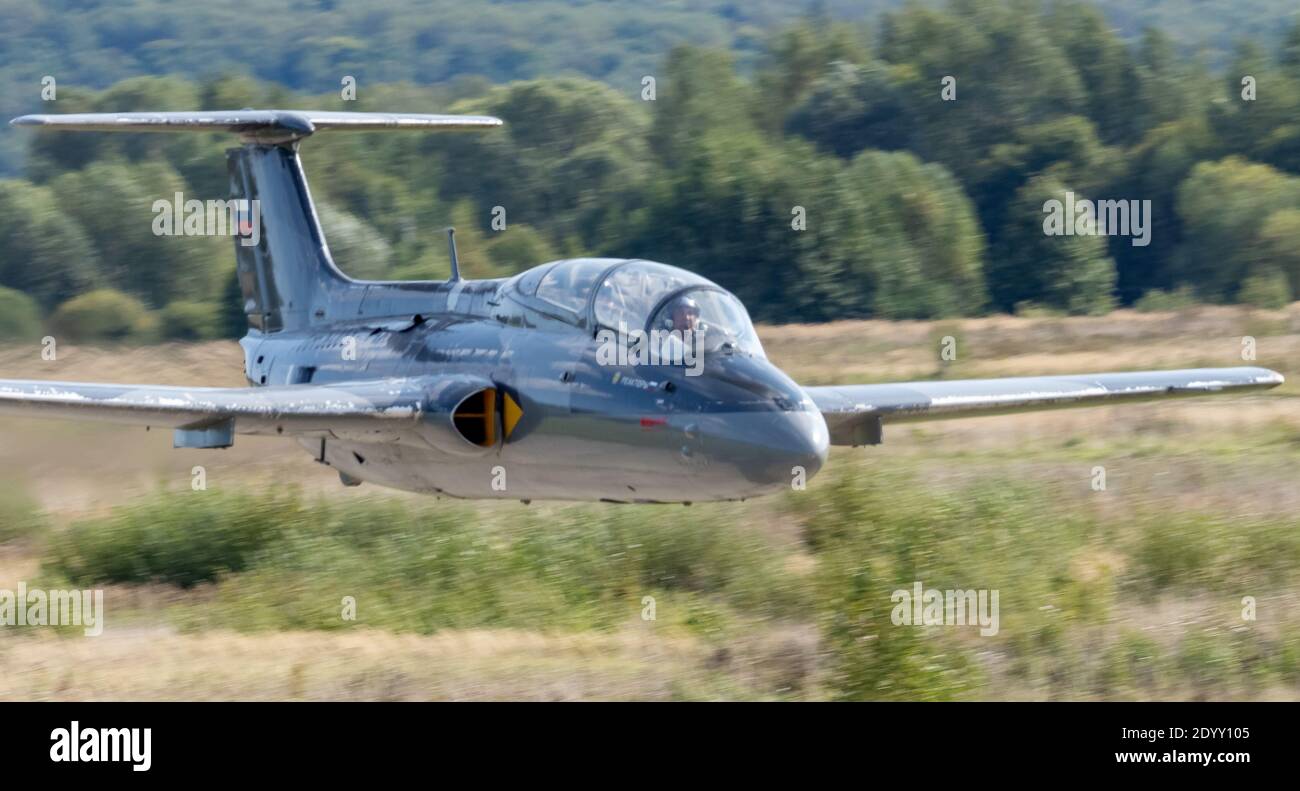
(816, 167)
(308, 46)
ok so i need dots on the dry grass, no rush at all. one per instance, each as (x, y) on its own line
(156, 664)
(135, 660)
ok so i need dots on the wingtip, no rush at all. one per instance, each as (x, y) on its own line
(1268, 377)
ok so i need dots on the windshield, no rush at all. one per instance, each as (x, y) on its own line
(717, 318)
(630, 292)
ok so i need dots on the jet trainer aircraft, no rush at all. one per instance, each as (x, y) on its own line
(500, 388)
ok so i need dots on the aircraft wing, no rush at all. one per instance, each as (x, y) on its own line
(210, 416)
(854, 413)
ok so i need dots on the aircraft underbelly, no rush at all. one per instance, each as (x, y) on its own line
(555, 467)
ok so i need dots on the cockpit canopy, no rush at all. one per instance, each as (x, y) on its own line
(715, 316)
(641, 295)
(569, 283)
(630, 292)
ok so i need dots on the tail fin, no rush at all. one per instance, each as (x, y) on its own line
(287, 278)
(287, 275)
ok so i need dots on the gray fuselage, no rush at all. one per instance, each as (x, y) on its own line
(589, 429)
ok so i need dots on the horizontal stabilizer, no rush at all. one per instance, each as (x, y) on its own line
(268, 126)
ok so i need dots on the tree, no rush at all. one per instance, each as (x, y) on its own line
(44, 251)
(918, 212)
(519, 247)
(117, 204)
(1265, 128)
(854, 107)
(356, 247)
(567, 145)
(1279, 245)
(1156, 168)
(189, 321)
(103, 315)
(1224, 206)
(1007, 70)
(1104, 65)
(1070, 273)
(795, 58)
(472, 251)
(726, 211)
(20, 317)
(699, 94)
(1066, 148)
(1166, 93)
(54, 154)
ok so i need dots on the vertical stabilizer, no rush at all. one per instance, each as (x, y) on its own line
(287, 276)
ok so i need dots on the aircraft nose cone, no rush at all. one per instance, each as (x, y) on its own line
(787, 447)
(808, 442)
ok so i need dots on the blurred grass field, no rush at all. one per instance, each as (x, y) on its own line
(1134, 592)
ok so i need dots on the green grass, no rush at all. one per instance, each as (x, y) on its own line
(181, 538)
(20, 516)
(1197, 552)
(1074, 578)
(280, 562)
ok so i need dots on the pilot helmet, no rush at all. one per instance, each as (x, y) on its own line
(682, 305)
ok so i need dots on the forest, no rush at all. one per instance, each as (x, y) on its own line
(845, 161)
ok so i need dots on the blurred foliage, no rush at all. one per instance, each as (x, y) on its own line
(20, 316)
(278, 561)
(42, 253)
(189, 321)
(1228, 204)
(1072, 274)
(177, 540)
(1265, 289)
(104, 315)
(808, 163)
(1155, 300)
(1060, 571)
(20, 514)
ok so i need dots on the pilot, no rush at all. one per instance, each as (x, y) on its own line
(684, 321)
(685, 314)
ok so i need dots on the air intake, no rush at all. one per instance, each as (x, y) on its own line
(475, 418)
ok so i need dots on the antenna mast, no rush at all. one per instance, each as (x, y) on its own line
(451, 249)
